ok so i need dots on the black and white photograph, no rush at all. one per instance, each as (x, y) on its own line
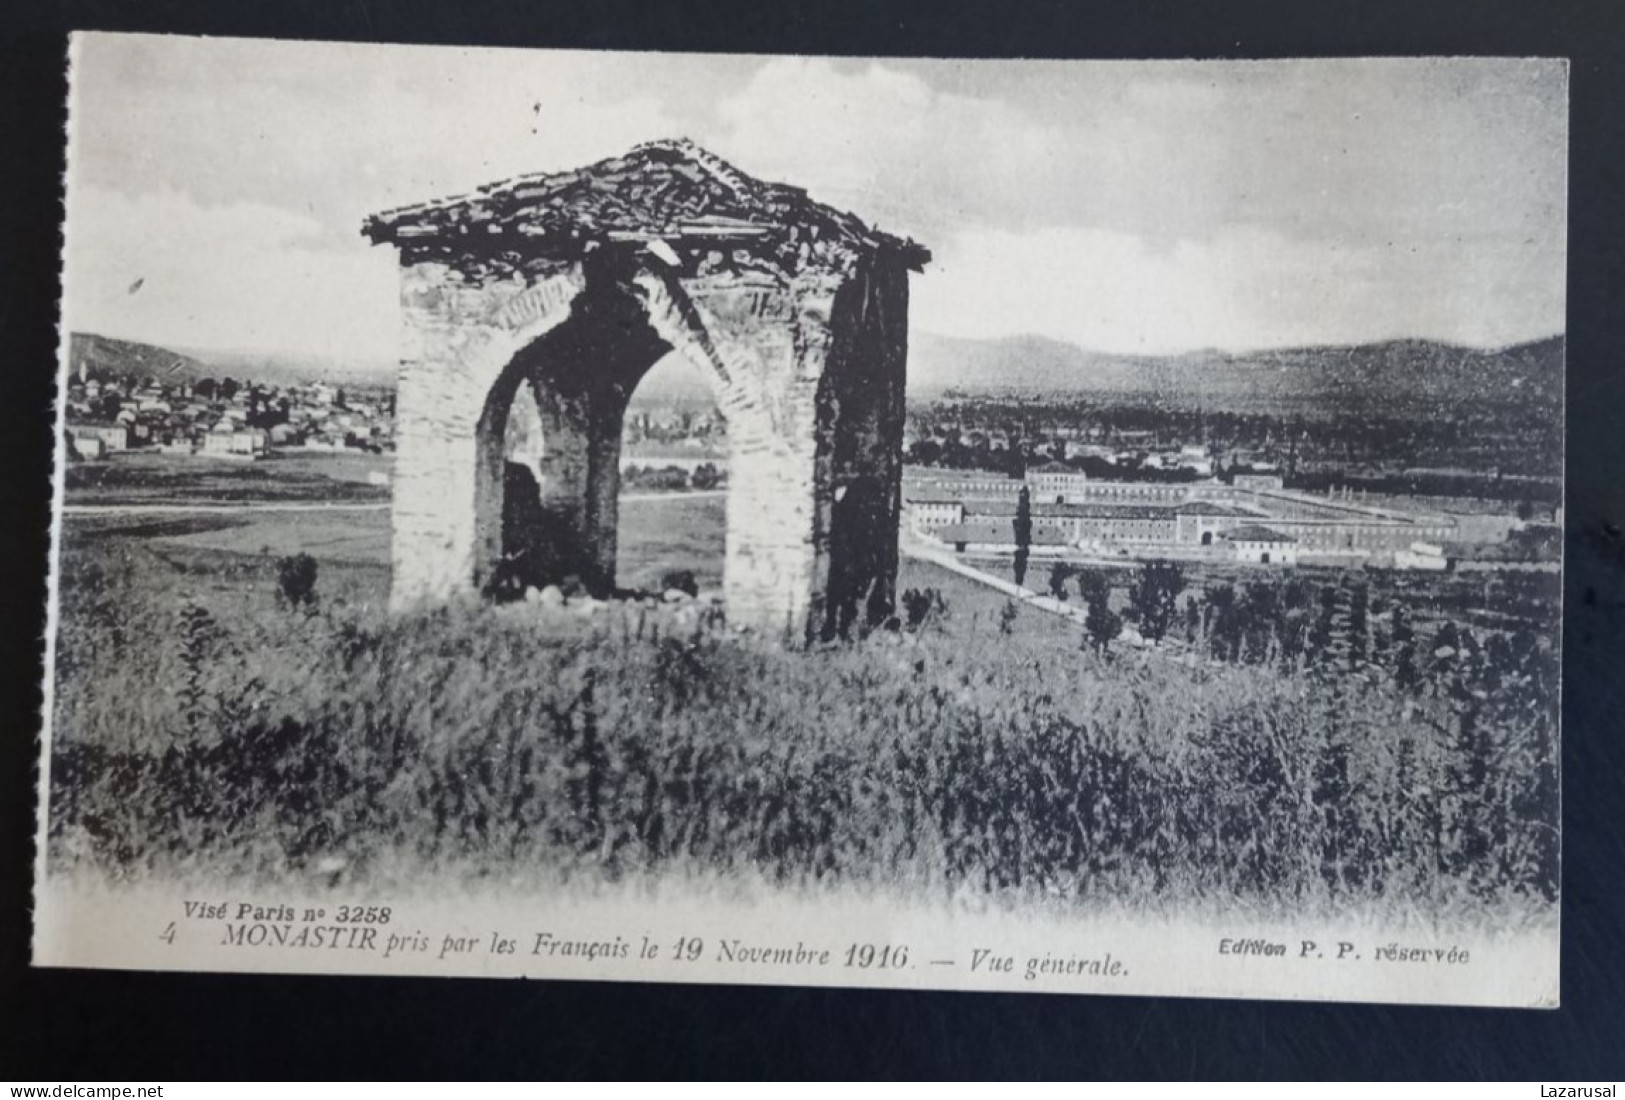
(1078, 527)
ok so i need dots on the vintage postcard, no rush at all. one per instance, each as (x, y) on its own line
(1056, 526)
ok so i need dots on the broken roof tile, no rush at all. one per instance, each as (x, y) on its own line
(660, 189)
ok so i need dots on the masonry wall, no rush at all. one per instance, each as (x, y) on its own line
(457, 340)
(861, 416)
(809, 374)
(543, 531)
(764, 342)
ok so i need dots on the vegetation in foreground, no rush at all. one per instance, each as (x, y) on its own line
(270, 729)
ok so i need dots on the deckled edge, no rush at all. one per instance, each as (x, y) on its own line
(43, 739)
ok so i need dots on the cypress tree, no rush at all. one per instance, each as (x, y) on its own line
(1024, 535)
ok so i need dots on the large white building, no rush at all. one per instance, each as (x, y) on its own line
(241, 443)
(1259, 545)
(1056, 482)
(99, 436)
(928, 508)
(1192, 518)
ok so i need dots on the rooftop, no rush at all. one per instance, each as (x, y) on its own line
(1209, 508)
(938, 473)
(929, 494)
(999, 533)
(670, 191)
(1070, 511)
(1253, 532)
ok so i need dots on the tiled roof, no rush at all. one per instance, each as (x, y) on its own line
(938, 473)
(667, 190)
(1253, 532)
(929, 494)
(996, 533)
(1209, 508)
(1070, 510)
(1112, 511)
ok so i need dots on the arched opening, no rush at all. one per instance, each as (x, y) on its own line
(1207, 538)
(674, 476)
(547, 471)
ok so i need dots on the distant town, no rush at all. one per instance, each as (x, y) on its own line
(1054, 510)
(224, 418)
(1111, 477)
(119, 410)
(985, 477)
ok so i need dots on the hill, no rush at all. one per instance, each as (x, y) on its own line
(102, 355)
(105, 355)
(1397, 374)
(283, 369)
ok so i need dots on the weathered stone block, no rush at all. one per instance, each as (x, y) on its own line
(796, 312)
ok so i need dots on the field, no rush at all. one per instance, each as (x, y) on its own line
(205, 724)
(351, 538)
(151, 479)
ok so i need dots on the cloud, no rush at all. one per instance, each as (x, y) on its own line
(1168, 151)
(238, 276)
(889, 145)
(1124, 205)
(233, 175)
(1165, 206)
(339, 131)
(1245, 287)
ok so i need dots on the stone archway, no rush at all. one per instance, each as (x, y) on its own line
(574, 284)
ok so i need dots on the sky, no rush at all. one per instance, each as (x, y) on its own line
(216, 187)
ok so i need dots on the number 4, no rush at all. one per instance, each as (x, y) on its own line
(168, 934)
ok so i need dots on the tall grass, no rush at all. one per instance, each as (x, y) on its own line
(191, 735)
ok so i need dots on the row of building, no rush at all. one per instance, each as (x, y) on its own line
(1253, 519)
(106, 416)
(1129, 449)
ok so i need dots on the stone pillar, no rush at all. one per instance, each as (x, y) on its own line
(602, 511)
(557, 542)
(747, 333)
(860, 436)
(772, 554)
(568, 530)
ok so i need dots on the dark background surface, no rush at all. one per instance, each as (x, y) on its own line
(79, 1026)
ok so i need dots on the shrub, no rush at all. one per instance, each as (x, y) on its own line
(921, 606)
(296, 580)
(1101, 622)
(707, 476)
(1058, 575)
(1154, 597)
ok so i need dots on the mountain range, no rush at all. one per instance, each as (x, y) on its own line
(1418, 375)
(1394, 373)
(108, 355)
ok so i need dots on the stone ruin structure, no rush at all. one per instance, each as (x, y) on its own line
(574, 284)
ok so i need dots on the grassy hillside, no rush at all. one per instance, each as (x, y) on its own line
(104, 356)
(203, 729)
